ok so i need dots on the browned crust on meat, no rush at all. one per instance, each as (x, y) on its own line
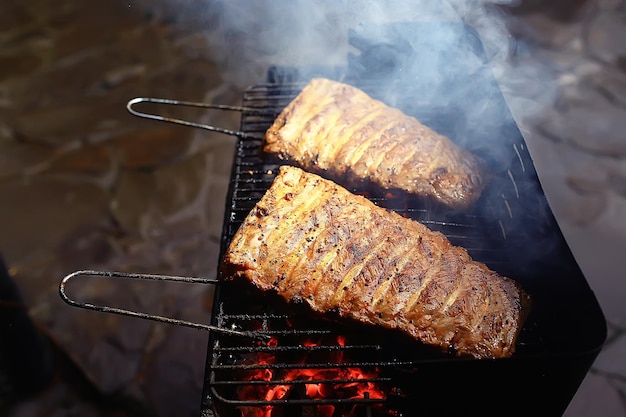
(336, 128)
(312, 240)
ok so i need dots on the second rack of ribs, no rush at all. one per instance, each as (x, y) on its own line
(335, 128)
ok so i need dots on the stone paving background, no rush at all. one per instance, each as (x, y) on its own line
(83, 184)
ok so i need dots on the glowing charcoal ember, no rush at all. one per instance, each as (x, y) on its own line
(331, 382)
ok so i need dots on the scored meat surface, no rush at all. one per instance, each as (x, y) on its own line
(336, 128)
(309, 239)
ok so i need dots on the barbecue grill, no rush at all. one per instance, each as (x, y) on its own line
(260, 341)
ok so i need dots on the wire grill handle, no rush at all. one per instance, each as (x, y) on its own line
(162, 319)
(137, 100)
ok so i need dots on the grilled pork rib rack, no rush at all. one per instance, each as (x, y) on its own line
(313, 241)
(337, 129)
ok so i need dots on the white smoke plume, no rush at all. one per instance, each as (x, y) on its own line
(245, 37)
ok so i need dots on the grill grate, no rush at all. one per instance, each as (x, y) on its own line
(239, 307)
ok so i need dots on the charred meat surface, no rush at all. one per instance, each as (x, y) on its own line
(336, 128)
(312, 240)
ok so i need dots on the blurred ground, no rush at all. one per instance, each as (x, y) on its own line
(84, 184)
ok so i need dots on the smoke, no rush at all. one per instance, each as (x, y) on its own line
(245, 37)
(458, 49)
(303, 32)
